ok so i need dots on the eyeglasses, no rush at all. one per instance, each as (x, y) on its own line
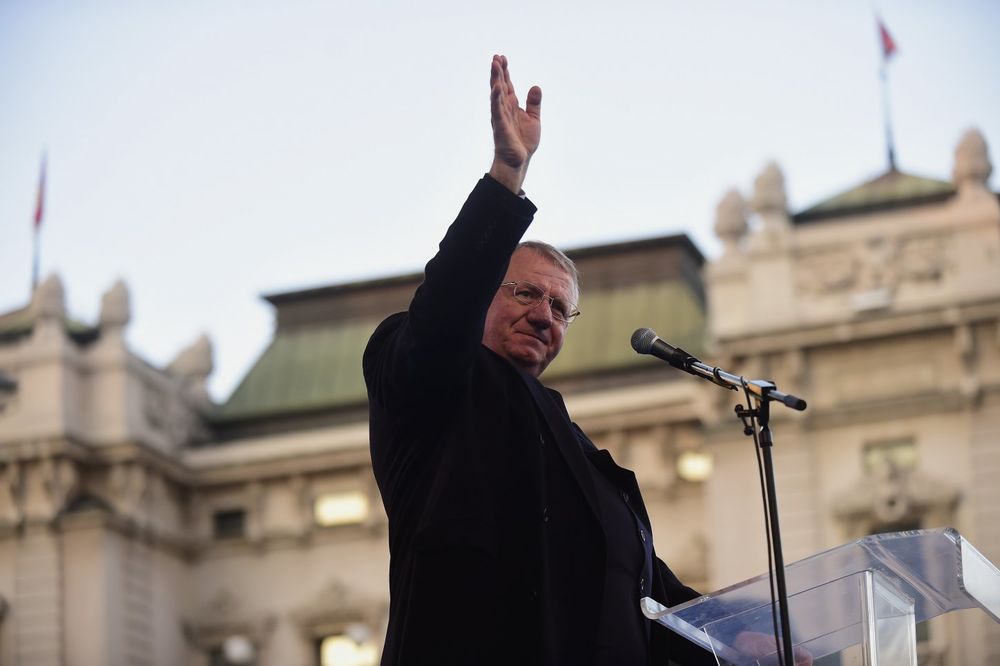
(532, 295)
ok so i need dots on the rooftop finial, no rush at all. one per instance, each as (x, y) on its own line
(731, 219)
(115, 309)
(194, 364)
(769, 191)
(972, 164)
(49, 299)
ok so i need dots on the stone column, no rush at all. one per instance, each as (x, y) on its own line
(36, 609)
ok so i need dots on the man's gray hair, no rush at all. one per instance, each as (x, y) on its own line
(557, 257)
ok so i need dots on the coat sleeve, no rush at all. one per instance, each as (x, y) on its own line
(426, 352)
(669, 647)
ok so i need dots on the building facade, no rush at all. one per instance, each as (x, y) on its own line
(142, 524)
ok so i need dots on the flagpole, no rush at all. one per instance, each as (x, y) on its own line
(37, 226)
(888, 46)
(34, 262)
(889, 143)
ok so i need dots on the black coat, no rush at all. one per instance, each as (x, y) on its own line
(494, 559)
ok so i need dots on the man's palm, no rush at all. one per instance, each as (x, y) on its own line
(516, 131)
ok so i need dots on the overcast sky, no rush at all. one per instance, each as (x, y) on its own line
(207, 152)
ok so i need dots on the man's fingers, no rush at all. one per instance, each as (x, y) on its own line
(497, 94)
(509, 86)
(497, 110)
(496, 73)
(500, 81)
(533, 104)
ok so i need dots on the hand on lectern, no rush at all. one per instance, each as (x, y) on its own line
(754, 644)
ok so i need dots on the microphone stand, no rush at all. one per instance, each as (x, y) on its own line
(764, 392)
(766, 442)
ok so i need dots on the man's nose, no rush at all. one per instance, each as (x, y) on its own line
(541, 314)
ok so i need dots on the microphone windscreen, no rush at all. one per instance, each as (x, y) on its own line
(642, 340)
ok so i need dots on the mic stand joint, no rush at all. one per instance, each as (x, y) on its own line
(746, 415)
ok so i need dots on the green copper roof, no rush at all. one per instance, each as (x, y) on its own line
(319, 366)
(308, 367)
(890, 190)
(600, 339)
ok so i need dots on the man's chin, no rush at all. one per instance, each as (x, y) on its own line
(528, 360)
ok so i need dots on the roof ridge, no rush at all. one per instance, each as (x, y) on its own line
(887, 190)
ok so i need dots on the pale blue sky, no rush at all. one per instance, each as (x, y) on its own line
(207, 152)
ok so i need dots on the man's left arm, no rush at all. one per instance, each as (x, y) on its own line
(683, 651)
(676, 591)
(665, 645)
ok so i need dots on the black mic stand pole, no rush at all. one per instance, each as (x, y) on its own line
(763, 415)
(763, 392)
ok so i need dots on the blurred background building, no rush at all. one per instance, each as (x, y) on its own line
(142, 524)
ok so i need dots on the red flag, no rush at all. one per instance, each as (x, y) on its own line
(888, 45)
(40, 202)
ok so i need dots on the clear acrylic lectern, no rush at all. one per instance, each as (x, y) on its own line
(869, 593)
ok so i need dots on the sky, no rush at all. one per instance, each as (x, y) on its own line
(209, 152)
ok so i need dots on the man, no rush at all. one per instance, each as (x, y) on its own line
(513, 540)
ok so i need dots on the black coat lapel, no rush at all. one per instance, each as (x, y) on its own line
(566, 442)
(621, 478)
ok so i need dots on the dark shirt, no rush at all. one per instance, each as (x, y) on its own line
(622, 635)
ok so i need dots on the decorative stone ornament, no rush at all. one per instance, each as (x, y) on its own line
(769, 191)
(193, 365)
(731, 219)
(771, 204)
(972, 164)
(49, 300)
(194, 361)
(226, 617)
(115, 309)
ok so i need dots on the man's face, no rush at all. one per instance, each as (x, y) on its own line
(529, 337)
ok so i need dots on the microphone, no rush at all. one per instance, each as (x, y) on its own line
(646, 341)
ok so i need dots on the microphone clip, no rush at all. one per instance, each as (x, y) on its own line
(746, 416)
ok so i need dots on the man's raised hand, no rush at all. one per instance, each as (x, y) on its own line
(516, 131)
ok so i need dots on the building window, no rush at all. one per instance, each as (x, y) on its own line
(229, 524)
(347, 650)
(898, 454)
(234, 651)
(694, 466)
(347, 508)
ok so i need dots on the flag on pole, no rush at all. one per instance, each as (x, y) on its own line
(39, 213)
(888, 44)
(888, 50)
(40, 201)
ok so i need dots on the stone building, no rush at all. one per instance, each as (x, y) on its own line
(882, 305)
(142, 524)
